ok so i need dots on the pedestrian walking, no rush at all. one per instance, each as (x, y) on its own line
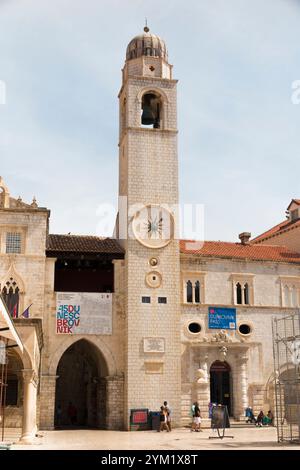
(168, 411)
(163, 420)
(197, 418)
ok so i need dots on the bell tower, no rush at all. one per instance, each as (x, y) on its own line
(148, 182)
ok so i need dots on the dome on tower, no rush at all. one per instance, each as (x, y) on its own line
(146, 44)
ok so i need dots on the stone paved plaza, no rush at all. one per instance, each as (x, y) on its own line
(178, 439)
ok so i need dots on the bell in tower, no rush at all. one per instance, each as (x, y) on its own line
(151, 110)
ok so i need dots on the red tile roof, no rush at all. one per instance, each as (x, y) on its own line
(296, 201)
(82, 244)
(284, 226)
(239, 251)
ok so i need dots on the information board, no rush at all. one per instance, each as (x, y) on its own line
(83, 313)
(219, 417)
(222, 318)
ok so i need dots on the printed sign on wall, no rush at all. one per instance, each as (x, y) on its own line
(222, 318)
(83, 313)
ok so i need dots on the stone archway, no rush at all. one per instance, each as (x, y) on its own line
(80, 396)
(221, 384)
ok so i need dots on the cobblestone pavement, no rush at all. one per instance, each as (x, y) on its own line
(178, 439)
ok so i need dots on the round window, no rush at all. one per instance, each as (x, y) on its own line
(153, 279)
(245, 329)
(194, 327)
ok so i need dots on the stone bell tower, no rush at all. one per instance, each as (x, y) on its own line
(148, 182)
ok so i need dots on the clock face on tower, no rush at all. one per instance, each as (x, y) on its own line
(153, 226)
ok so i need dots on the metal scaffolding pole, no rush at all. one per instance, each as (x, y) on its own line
(286, 352)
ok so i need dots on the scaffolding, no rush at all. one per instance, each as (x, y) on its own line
(286, 349)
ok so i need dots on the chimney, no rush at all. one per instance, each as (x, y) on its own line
(245, 237)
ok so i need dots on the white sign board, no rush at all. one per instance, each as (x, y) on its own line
(83, 313)
(154, 345)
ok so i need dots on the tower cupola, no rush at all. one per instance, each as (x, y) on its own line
(146, 44)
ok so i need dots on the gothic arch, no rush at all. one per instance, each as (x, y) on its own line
(25, 358)
(98, 344)
(12, 273)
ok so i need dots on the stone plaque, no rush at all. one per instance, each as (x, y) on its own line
(154, 345)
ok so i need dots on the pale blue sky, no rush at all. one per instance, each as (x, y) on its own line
(239, 140)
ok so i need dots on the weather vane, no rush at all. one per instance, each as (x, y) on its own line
(146, 29)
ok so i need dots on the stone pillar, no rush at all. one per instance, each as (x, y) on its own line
(47, 401)
(203, 398)
(203, 387)
(114, 402)
(29, 427)
(241, 387)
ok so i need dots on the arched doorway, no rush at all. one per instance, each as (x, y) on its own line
(220, 384)
(80, 398)
(288, 392)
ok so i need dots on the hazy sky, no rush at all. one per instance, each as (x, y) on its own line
(239, 133)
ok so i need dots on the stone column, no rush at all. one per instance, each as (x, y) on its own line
(47, 401)
(29, 427)
(242, 387)
(203, 387)
(203, 398)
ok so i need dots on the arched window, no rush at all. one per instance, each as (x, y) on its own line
(294, 296)
(246, 294)
(239, 299)
(189, 292)
(151, 110)
(10, 293)
(197, 292)
(193, 287)
(287, 302)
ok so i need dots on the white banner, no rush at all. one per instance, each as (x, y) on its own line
(83, 313)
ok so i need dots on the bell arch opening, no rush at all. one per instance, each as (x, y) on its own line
(151, 110)
(80, 397)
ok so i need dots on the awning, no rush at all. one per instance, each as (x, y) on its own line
(7, 329)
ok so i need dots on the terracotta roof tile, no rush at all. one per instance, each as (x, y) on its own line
(279, 228)
(239, 251)
(83, 244)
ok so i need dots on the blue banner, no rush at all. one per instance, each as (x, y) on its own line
(222, 318)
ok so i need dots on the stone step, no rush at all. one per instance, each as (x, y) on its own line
(11, 435)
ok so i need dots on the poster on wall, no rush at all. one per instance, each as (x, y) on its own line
(222, 318)
(85, 313)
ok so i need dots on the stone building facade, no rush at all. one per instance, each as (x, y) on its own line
(164, 292)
